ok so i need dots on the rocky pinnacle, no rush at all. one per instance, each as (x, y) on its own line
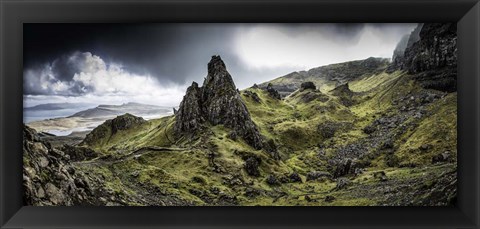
(216, 102)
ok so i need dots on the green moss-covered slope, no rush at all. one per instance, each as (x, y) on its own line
(397, 139)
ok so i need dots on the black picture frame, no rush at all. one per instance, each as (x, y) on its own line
(466, 13)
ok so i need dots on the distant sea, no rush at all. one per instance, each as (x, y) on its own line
(38, 115)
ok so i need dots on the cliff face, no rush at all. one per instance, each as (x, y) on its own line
(406, 42)
(436, 48)
(216, 102)
(433, 58)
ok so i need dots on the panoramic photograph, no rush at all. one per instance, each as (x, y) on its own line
(227, 114)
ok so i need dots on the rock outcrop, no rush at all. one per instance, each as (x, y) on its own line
(50, 179)
(189, 117)
(251, 166)
(216, 102)
(111, 127)
(79, 153)
(436, 48)
(345, 95)
(254, 96)
(273, 92)
(406, 42)
(433, 58)
(307, 85)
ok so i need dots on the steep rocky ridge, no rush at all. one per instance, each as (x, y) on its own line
(329, 76)
(216, 102)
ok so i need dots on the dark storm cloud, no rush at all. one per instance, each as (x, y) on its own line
(175, 54)
(344, 30)
(172, 53)
(341, 32)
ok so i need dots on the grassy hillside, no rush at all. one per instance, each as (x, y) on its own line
(400, 140)
(328, 77)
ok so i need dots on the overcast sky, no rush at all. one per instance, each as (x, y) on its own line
(154, 63)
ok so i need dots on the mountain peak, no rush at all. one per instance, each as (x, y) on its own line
(216, 63)
(218, 79)
(216, 102)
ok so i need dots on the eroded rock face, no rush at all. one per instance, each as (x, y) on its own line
(317, 175)
(253, 96)
(216, 102)
(189, 116)
(433, 58)
(345, 94)
(307, 85)
(436, 48)
(251, 166)
(407, 41)
(79, 153)
(50, 179)
(342, 90)
(273, 92)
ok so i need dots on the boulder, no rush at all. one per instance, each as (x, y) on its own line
(441, 158)
(79, 153)
(369, 129)
(329, 199)
(307, 85)
(380, 175)
(272, 180)
(342, 183)
(251, 166)
(425, 147)
(294, 177)
(317, 175)
(343, 168)
(328, 129)
(251, 192)
(388, 144)
(271, 148)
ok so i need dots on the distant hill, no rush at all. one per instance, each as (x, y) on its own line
(329, 76)
(86, 120)
(57, 106)
(137, 109)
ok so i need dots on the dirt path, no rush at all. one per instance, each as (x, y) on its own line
(137, 152)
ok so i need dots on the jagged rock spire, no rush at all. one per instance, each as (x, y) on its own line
(216, 102)
(189, 116)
